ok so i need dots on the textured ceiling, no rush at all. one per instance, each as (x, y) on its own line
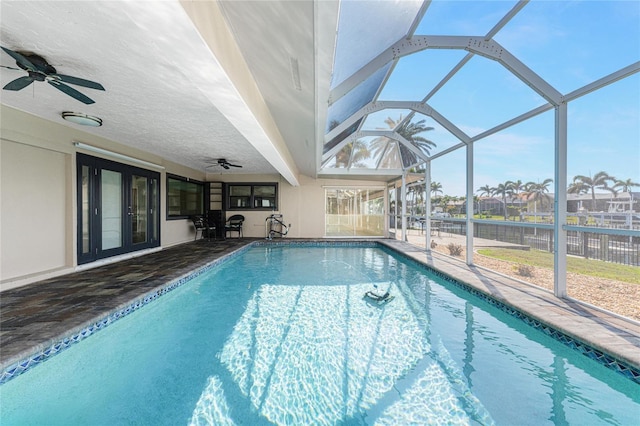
(166, 92)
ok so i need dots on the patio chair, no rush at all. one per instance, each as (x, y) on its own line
(234, 224)
(200, 224)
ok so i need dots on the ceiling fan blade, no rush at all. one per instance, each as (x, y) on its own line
(19, 83)
(71, 92)
(233, 165)
(20, 59)
(78, 81)
(9, 68)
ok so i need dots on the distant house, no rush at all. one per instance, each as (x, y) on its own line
(605, 202)
(490, 205)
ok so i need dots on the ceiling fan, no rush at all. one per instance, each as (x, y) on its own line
(223, 163)
(40, 70)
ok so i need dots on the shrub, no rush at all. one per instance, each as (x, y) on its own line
(524, 270)
(454, 249)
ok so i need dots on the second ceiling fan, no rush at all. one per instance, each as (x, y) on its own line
(222, 162)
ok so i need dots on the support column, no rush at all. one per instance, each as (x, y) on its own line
(403, 195)
(470, 204)
(427, 205)
(386, 213)
(560, 203)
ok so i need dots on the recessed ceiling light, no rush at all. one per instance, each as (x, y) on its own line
(82, 119)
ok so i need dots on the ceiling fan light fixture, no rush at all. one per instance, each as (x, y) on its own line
(82, 119)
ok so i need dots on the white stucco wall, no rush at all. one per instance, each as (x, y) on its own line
(35, 210)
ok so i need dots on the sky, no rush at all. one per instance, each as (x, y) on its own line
(569, 44)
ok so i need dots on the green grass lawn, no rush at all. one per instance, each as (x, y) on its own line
(595, 268)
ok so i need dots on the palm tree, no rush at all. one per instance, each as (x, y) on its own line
(588, 184)
(537, 191)
(487, 191)
(516, 188)
(625, 185)
(436, 187)
(503, 190)
(410, 131)
(344, 155)
(347, 155)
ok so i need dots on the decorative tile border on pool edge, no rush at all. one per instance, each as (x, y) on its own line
(74, 337)
(318, 243)
(609, 361)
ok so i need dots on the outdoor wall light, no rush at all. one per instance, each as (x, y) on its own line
(82, 119)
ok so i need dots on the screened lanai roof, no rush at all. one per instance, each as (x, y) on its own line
(460, 71)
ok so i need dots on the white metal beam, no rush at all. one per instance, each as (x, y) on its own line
(397, 137)
(360, 172)
(505, 19)
(324, 44)
(448, 150)
(560, 204)
(365, 133)
(493, 50)
(333, 151)
(417, 106)
(487, 48)
(469, 191)
(513, 121)
(452, 128)
(370, 108)
(403, 191)
(418, 18)
(604, 81)
(427, 207)
(449, 75)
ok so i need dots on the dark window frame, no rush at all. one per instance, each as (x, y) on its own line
(231, 202)
(182, 198)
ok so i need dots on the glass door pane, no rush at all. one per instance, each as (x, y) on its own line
(154, 210)
(111, 190)
(371, 212)
(138, 210)
(85, 211)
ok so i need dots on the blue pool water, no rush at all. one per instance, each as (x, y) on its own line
(282, 335)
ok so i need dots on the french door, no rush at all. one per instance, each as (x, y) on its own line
(118, 207)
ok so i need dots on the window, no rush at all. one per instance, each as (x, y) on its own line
(185, 197)
(260, 196)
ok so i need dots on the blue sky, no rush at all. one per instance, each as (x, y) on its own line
(569, 44)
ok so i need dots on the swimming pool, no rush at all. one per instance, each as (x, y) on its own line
(282, 335)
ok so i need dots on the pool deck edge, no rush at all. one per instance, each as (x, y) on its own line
(604, 331)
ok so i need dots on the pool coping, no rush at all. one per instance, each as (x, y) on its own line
(605, 337)
(602, 337)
